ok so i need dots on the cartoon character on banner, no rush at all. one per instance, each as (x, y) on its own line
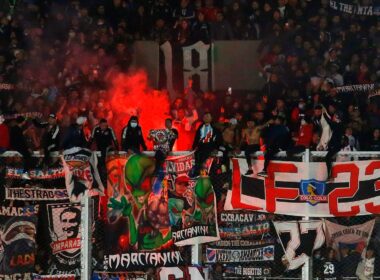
(133, 201)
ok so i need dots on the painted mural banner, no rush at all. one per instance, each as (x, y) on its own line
(44, 185)
(300, 189)
(18, 228)
(192, 202)
(138, 233)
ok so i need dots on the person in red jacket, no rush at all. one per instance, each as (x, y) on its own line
(304, 138)
(4, 135)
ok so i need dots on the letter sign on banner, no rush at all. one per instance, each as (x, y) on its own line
(300, 189)
(299, 240)
(202, 69)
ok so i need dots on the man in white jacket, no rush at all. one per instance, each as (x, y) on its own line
(366, 268)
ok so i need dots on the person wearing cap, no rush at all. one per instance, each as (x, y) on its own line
(181, 198)
(51, 137)
(19, 144)
(132, 137)
(4, 132)
(75, 136)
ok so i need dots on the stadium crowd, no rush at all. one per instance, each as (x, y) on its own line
(307, 51)
(56, 58)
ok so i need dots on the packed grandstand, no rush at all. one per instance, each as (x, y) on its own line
(124, 101)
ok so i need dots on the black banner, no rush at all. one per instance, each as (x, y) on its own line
(258, 254)
(45, 185)
(65, 238)
(18, 226)
(246, 271)
(354, 9)
(139, 260)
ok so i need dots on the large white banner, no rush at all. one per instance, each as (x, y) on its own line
(300, 189)
(355, 237)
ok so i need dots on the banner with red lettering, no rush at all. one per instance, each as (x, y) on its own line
(183, 273)
(300, 189)
(243, 231)
(81, 172)
(18, 227)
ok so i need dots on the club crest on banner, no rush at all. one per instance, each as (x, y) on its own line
(211, 255)
(268, 253)
(313, 191)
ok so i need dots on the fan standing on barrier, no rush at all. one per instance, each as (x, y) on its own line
(132, 137)
(18, 143)
(335, 143)
(75, 136)
(104, 138)
(163, 142)
(251, 142)
(207, 140)
(50, 139)
(277, 138)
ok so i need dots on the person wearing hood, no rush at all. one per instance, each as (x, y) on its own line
(4, 132)
(75, 135)
(132, 136)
